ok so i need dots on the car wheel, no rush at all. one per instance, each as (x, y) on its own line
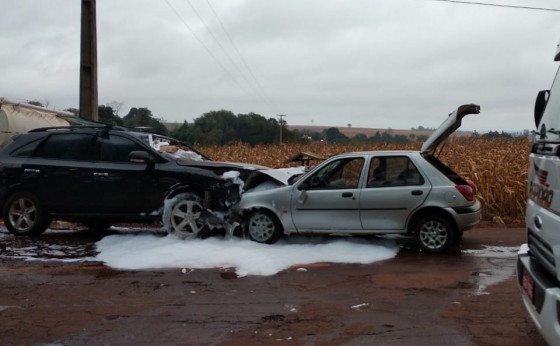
(24, 215)
(182, 215)
(263, 227)
(435, 234)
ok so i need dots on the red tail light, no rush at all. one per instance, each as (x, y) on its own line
(467, 191)
(472, 185)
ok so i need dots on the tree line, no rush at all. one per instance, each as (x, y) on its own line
(223, 127)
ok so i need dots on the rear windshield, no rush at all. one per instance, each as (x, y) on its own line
(443, 168)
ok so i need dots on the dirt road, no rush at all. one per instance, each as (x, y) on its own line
(466, 298)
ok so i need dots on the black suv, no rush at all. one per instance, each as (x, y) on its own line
(101, 175)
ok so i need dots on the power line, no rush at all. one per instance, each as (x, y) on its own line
(501, 5)
(203, 45)
(237, 50)
(223, 49)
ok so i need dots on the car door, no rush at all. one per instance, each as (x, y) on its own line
(122, 186)
(328, 200)
(59, 172)
(395, 187)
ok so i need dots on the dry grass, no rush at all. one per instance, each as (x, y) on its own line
(497, 166)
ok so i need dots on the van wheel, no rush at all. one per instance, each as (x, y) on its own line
(24, 215)
(434, 234)
(263, 227)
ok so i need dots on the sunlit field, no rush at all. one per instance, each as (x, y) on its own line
(497, 166)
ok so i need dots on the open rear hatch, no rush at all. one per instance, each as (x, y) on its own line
(452, 123)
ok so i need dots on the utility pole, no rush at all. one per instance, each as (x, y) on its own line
(88, 62)
(281, 116)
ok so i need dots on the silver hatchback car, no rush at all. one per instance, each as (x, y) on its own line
(376, 192)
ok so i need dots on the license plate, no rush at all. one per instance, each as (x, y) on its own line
(528, 285)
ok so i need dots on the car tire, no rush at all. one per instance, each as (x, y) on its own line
(181, 216)
(263, 227)
(24, 215)
(434, 234)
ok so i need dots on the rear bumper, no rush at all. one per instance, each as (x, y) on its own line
(467, 217)
(540, 296)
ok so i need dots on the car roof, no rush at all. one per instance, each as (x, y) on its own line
(139, 133)
(378, 152)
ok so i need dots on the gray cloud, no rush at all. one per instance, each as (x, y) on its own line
(384, 63)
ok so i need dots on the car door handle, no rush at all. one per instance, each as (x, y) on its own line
(31, 170)
(347, 194)
(98, 174)
(416, 192)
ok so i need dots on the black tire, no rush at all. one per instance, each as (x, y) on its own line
(435, 234)
(181, 216)
(97, 226)
(263, 226)
(24, 215)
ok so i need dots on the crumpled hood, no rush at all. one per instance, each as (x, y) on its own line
(283, 175)
(271, 177)
(247, 171)
(218, 165)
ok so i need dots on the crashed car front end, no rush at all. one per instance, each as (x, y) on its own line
(203, 204)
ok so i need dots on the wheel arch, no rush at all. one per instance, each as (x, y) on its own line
(183, 188)
(39, 222)
(249, 211)
(421, 213)
(178, 189)
(10, 190)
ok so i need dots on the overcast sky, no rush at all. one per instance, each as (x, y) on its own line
(369, 63)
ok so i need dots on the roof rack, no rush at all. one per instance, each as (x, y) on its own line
(72, 127)
(93, 125)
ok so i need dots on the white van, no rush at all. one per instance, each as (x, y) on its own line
(538, 261)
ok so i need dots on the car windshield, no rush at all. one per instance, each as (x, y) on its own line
(172, 148)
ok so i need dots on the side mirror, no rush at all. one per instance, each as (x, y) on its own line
(540, 104)
(294, 178)
(141, 157)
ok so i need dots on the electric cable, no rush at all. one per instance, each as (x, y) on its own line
(502, 5)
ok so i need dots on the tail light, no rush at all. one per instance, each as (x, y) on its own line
(467, 191)
(472, 185)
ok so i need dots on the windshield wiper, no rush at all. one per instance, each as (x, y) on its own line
(552, 130)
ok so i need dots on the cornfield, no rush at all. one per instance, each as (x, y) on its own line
(497, 166)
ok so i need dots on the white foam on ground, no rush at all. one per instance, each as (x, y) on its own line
(247, 257)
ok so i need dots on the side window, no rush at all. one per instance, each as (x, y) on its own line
(393, 171)
(27, 149)
(117, 149)
(340, 174)
(67, 146)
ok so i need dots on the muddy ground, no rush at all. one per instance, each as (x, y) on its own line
(466, 298)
